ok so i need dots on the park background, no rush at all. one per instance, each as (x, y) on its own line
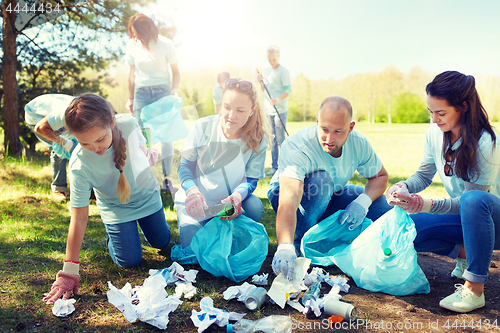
(377, 54)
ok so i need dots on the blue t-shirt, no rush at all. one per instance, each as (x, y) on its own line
(88, 170)
(277, 81)
(52, 106)
(488, 161)
(221, 164)
(301, 154)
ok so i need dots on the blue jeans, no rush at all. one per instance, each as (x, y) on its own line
(123, 240)
(477, 228)
(145, 96)
(251, 207)
(319, 201)
(57, 165)
(278, 135)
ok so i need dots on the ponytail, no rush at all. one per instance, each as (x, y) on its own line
(119, 146)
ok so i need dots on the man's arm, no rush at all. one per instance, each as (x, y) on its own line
(376, 185)
(44, 129)
(291, 191)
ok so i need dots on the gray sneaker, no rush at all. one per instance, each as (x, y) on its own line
(271, 172)
(460, 267)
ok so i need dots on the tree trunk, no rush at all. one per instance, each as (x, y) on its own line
(12, 143)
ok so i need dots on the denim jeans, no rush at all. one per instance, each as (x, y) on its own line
(319, 201)
(123, 240)
(252, 207)
(57, 165)
(145, 96)
(278, 135)
(477, 228)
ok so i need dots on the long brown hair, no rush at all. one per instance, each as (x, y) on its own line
(89, 110)
(256, 126)
(146, 30)
(457, 88)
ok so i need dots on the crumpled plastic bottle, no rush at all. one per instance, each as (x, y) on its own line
(270, 324)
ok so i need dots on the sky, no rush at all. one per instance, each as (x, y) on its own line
(332, 39)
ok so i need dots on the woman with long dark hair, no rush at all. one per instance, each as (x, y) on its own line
(462, 147)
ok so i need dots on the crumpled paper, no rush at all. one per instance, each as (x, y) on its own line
(175, 273)
(148, 303)
(241, 292)
(282, 288)
(209, 315)
(317, 274)
(184, 288)
(260, 280)
(339, 281)
(317, 304)
(63, 308)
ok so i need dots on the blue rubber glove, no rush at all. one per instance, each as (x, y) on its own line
(356, 211)
(284, 260)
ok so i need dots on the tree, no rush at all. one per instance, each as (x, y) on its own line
(391, 81)
(36, 45)
(409, 108)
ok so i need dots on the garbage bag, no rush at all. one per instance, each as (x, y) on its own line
(328, 237)
(382, 258)
(164, 119)
(235, 249)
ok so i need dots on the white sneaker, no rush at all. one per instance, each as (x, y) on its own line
(462, 300)
(459, 269)
(271, 172)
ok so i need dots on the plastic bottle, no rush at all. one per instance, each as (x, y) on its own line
(271, 324)
(312, 292)
(222, 209)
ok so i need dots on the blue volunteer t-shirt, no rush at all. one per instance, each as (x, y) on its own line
(488, 161)
(302, 154)
(52, 106)
(88, 170)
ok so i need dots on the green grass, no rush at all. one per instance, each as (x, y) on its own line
(33, 231)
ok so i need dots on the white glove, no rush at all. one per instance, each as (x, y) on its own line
(284, 260)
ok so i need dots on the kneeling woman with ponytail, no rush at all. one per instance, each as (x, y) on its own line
(110, 159)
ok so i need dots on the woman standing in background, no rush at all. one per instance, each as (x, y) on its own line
(150, 56)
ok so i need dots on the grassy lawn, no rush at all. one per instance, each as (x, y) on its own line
(33, 231)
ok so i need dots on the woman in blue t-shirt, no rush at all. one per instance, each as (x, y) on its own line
(151, 58)
(462, 147)
(222, 161)
(111, 159)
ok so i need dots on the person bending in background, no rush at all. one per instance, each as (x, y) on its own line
(150, 56)
(45, 117)
(462, 147)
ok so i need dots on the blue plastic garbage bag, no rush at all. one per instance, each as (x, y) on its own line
(235, 249)
(183, 256)
(63, 153)
(164, 119)
(327, 238)
(365, 261)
